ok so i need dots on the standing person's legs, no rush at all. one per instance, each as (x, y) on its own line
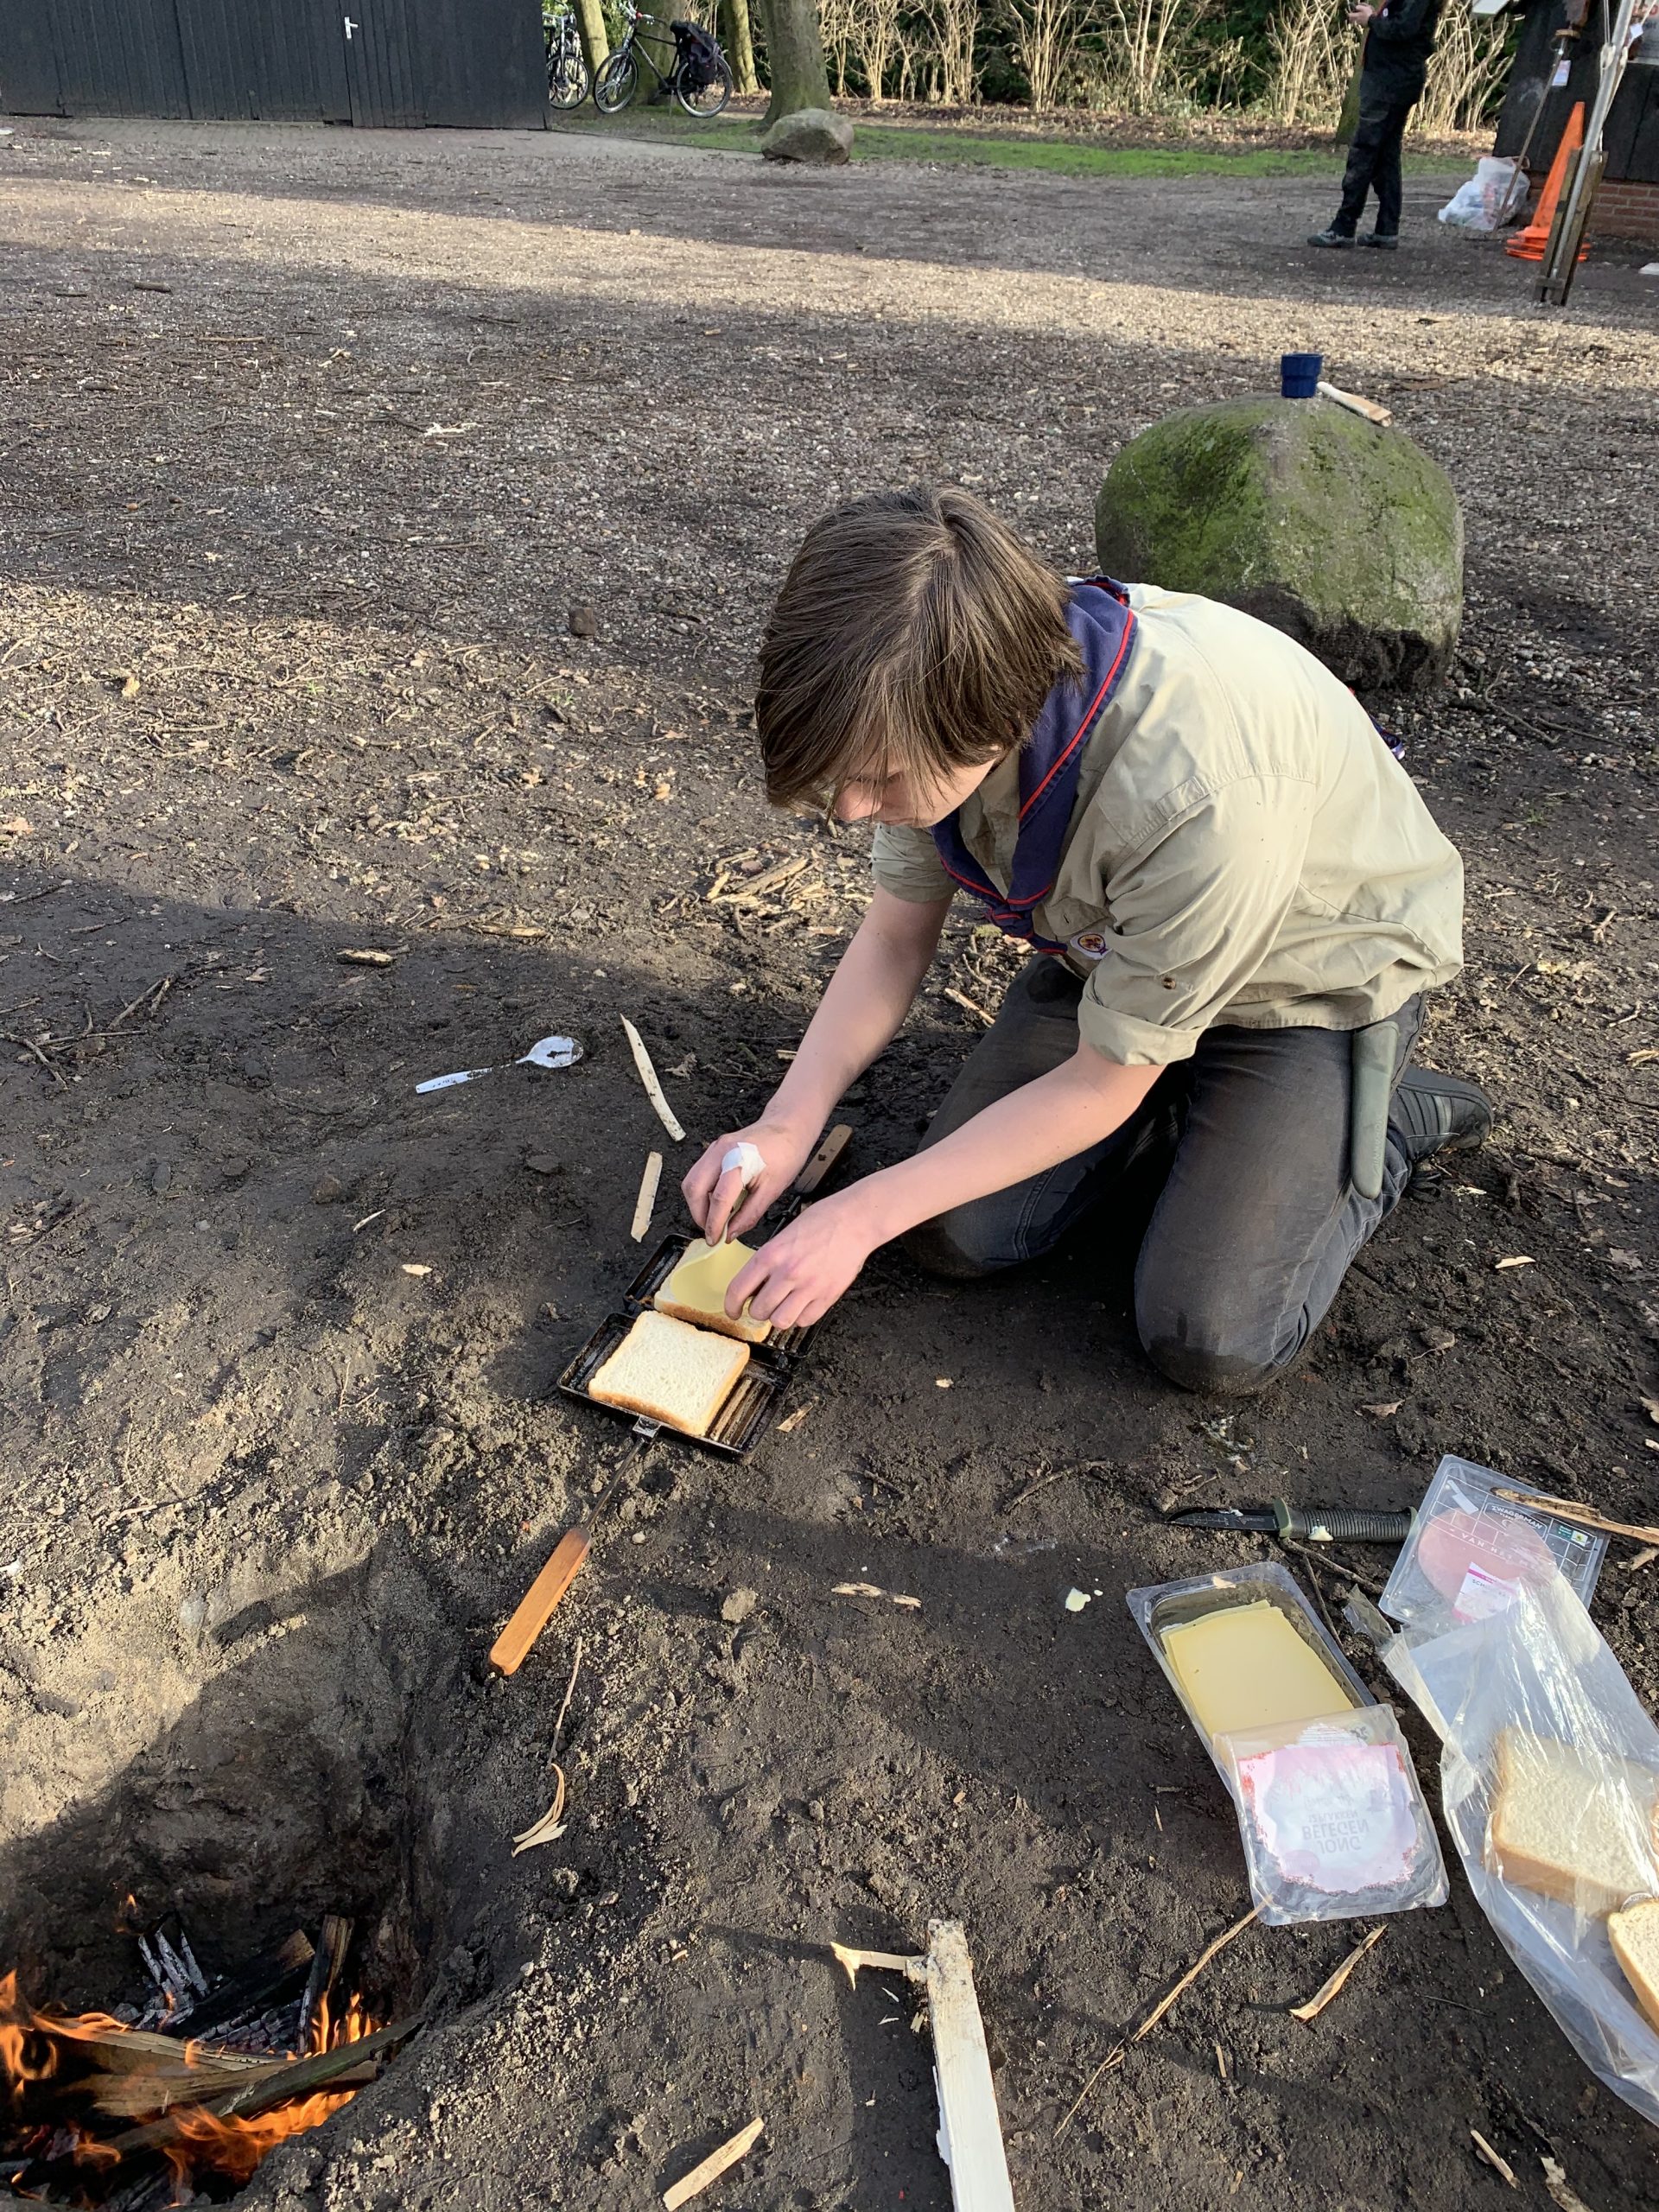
(1364, 150)
(1258, 1222)
(1387, 175)
(1035, 1031)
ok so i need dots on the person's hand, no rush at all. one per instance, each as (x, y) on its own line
(1361, 13)
(716, 1199)
(798, 1275)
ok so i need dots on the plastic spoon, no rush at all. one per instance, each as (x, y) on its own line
(545, 1052)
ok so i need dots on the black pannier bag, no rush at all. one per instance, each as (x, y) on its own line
(699, 57)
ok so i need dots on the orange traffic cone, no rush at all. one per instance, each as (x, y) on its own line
(1529, 245)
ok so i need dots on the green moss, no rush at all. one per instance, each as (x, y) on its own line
(1296, 509)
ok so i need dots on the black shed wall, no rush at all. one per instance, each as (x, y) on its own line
(476, 63)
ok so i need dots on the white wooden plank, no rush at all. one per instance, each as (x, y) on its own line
(970, 2134)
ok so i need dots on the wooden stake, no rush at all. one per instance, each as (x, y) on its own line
(712, 2166)
(883, 1961)
(1326, 1990)
(645, 1203)
(648, 1077)
(970, 2134)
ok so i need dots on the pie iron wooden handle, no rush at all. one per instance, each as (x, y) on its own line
(536, 1608)
(823, 1160)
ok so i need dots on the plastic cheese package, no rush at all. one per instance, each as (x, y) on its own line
(1549, 1782)
(1329, 1812)
(1331, 1818)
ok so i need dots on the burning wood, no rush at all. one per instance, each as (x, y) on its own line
(180, 2104)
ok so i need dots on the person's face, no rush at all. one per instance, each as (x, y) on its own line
(901, 800)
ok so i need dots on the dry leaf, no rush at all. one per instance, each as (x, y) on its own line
(129, 686)
(1382, 1413)
(1556, 2181)
(1520, 1260)
(365, 959)
(1629, 1261)
(416, 1267)
(551, 1826)
(15, 827)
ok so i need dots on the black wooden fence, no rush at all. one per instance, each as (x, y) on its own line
(475, 63)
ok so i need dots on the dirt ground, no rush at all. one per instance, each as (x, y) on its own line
(310, 443)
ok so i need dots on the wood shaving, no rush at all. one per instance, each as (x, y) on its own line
(1333, 1988)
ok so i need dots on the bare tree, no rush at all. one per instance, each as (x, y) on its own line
(1047, 35)
(1148, 37)
(875, 40)
(956, 23)
(1470, 60)
(836, 26)
(1314, 57)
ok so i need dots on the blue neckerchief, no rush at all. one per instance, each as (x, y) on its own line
(1100, 620)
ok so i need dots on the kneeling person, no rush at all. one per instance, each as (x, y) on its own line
(1235, 898)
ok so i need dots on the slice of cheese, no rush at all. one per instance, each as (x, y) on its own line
(697, 1290)
(1246, 1667)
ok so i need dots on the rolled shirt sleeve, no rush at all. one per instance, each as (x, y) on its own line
(1195, 910)
(907, 862)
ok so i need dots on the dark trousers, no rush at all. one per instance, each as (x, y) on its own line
(1374, 161)
(1241, 1153)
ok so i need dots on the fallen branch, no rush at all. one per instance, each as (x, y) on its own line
(648, 1077)
(968, 1005)
(1120, 2051)
(645, 1205)
(712, 2166)
(1333, 1986)
(1581, 1516)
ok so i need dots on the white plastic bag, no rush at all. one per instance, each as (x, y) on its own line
(1491, 198)
(1534, 1682)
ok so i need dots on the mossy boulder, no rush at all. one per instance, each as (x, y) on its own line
(1341, 532)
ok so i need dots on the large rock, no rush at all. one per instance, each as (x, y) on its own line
(1338, 531)
(811, 134)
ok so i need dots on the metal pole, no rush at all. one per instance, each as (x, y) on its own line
(1557, 279)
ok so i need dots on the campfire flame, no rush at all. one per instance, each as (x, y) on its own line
(33, 2048)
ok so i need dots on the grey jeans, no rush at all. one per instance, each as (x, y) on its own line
(1241, 1152)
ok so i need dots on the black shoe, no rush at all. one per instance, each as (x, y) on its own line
(1332, 237)
(1432, 1113)
(1389, 240)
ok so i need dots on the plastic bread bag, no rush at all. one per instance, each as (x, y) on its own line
(1470, 1550)
(1549, 1778)
(1331, 1818)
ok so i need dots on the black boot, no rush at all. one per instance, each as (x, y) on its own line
(1432, 1113)
(1332, 237)
(1389, 240)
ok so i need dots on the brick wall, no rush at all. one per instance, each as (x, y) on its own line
(1626, 211)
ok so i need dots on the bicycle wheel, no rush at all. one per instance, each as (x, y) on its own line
(705, 99)
(617, 82)
(567, 78)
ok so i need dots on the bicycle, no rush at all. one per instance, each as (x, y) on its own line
(699, 76)
(567, 72)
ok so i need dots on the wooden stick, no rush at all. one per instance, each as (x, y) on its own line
(1499, 2164)
(883, 1961)
(712, 2166)
(648, 1077)
(645, 1203)
(547, 1829)
(1581, 1516)
(1119, 2052)
(1370, 409)
(1333, 1987)
(970, 2134)
(564, 1703)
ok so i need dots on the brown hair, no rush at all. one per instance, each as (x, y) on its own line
(913, 633)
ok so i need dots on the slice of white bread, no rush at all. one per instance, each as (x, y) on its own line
(671, 1373)
(696, 1292)
(1579, 1829)
(1634, 1935)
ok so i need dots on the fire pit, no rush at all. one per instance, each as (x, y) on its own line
(189, 2088)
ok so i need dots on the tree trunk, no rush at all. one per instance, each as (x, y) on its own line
(590, 29)
(740, 45)
(795, 53)
(1348, 121)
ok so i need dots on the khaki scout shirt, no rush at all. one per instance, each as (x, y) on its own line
(1243, 848)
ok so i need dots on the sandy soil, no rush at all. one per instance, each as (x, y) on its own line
(310, 444)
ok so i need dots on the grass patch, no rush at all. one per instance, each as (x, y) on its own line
(893, 141)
